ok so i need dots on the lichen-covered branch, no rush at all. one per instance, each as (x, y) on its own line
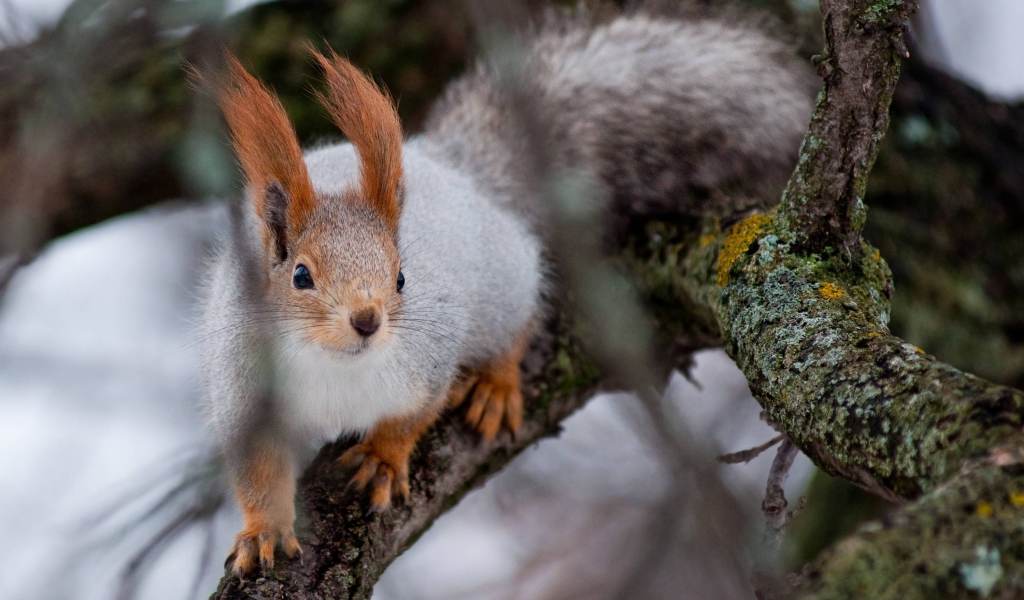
(811, 337)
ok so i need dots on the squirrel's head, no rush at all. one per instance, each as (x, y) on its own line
(331, 259)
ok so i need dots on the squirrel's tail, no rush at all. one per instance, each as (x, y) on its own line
(666, 111)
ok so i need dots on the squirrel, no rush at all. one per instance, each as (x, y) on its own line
(371, 284)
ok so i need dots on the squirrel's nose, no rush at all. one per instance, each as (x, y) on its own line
(366, 322)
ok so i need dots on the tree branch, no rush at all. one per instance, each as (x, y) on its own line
(823, 206)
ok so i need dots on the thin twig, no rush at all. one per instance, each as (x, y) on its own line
(767, 584)
(745, 456)
(774, 505)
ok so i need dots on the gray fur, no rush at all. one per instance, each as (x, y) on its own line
(663, 110)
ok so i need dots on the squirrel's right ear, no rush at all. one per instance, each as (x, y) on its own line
(268, 151)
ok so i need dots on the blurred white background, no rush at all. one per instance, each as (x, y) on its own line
(97, 385)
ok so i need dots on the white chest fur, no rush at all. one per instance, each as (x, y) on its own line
(324, 395)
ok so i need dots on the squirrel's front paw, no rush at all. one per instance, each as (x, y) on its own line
(494, 399)
(384, 469)
(255, 543)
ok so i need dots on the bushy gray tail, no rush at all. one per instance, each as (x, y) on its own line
(666, 111)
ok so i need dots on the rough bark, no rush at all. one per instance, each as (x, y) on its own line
(824, 208)
(963, 540)
(810, 337)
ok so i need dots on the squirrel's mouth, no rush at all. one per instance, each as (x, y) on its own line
(345, 352)
(363, 348)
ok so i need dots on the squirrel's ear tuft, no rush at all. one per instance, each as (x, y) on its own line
(367, 117)
(267, 150)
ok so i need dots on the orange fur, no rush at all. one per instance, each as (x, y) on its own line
(265, 488)
(367, 117)
(494, 392)
(263, 139)
(383, 457)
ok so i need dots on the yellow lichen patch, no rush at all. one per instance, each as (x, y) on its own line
(1017, 499)
(743, 234)
(874, 334)
(830, 291)
(707, 239)
(919, 351)
(984, 510)
(878, 255)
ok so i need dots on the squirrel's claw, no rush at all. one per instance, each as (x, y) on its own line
(400, 485)
(367, 462)
(245, 552)
(493, 402)
(383, 479)
(258, 545)
(459, 391)
(494, 395)
(290, 545)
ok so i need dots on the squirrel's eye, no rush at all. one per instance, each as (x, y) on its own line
(302, 280)
(401, 281)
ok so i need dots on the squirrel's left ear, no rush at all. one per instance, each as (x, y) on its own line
(366, 115)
